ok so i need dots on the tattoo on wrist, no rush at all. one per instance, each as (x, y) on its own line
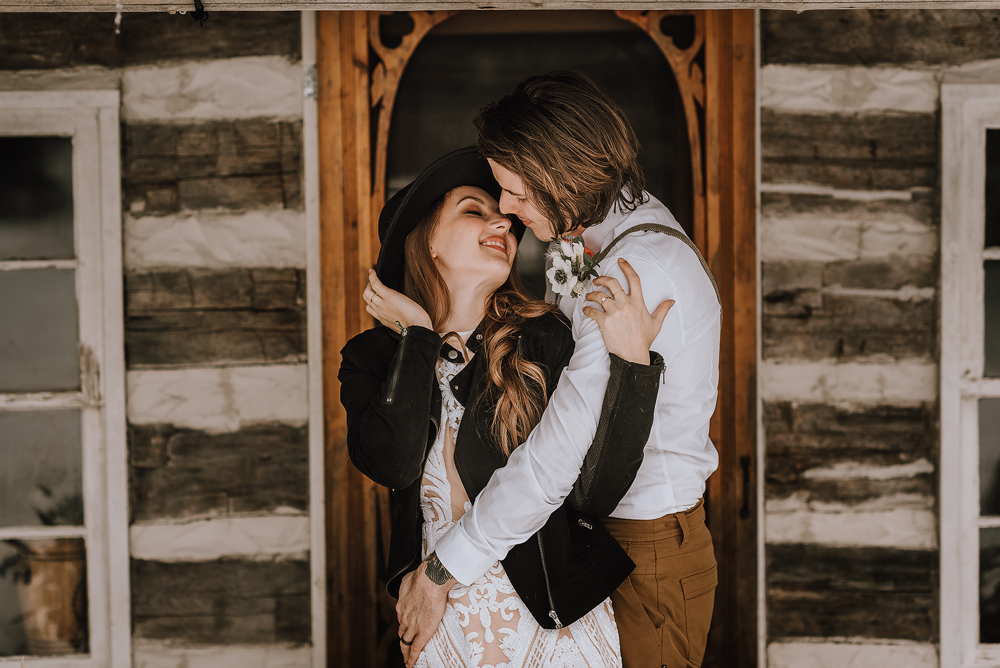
(435, 571)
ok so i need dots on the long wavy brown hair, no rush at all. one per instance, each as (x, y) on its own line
(517, 387)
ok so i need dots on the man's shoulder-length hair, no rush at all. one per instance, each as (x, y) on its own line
(569, 143)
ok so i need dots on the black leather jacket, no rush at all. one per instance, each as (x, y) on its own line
(390, 391)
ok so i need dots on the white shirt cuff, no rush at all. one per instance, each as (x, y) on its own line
(466, 563)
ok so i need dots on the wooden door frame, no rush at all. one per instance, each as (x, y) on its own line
(354, 106)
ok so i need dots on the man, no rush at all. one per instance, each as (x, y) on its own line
(566, 159)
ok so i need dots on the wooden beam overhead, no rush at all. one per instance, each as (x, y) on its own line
(407, 5)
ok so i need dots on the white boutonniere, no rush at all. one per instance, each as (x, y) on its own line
(572, 266)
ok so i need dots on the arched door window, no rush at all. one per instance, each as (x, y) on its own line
(469, 60)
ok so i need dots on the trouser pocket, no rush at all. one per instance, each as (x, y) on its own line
(699, 600)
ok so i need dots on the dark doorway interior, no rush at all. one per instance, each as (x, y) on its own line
(471, 59)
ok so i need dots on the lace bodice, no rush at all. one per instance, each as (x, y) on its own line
(486, 625)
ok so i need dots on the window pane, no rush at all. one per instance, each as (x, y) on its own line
(991, 337)
(989, 586)
(43, 597)
(36, 198)
(992, 188)
(40, 479)
(989, 457)
(38, 331)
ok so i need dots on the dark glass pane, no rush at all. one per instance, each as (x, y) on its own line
(992, 188)
(452, 75)
(43, 597)
(991, 335)
(989, 586)
(989, 457)
(39, 347)
(41, 480)
(36, 198)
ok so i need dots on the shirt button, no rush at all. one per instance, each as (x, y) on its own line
(479, 337)
(452, 355)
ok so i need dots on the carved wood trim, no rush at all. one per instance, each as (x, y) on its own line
(691, 82)
(385, 79)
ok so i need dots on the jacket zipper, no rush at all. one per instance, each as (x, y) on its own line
(394, 378)
(548, 585)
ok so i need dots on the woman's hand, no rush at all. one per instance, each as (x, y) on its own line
(393, 309)
(627, 327)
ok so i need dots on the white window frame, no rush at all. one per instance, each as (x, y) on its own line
(90, 118)
(967, 111)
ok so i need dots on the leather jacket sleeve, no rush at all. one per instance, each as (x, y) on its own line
(613, 460)
(388, 398)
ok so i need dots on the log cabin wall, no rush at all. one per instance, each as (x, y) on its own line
(214, 254)
(849, 248)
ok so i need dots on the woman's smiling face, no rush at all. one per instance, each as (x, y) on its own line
(472, 241)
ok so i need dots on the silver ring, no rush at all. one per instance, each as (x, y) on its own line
(604, 299)
(374, 294)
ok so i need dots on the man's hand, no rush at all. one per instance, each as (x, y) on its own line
(423, 595)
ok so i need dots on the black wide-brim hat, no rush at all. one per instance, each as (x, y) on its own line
(464, 167)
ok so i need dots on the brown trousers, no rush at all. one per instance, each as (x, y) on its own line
(664, 608)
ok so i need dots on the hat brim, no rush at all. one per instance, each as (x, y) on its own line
(403, 211)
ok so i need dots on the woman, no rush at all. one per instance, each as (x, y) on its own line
(437, 403)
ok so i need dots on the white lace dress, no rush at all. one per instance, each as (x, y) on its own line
(486, 625)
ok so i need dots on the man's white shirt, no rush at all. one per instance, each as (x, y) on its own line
(678, 458)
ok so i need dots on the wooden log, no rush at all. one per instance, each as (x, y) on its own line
(890, 434)
(228, 601)
(193, 288)
(838, 456)
(47, 41)
(187, 472)
(867, 592)
(800, 277)
(192, 316)
(237, 165)
(880, 36)
(846, 327)
(850, 151)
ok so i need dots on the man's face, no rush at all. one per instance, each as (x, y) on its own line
(514, 200)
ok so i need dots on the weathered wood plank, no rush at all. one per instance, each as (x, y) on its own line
(890, 434)
(214, 289)
(227, 601)
(192, 316)
(880, 36)
(187, 472)
(48, 41)
(870, 592)
(798, 278)
(239, 165)
(850, 151)
(798, 326)
(834, 455)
